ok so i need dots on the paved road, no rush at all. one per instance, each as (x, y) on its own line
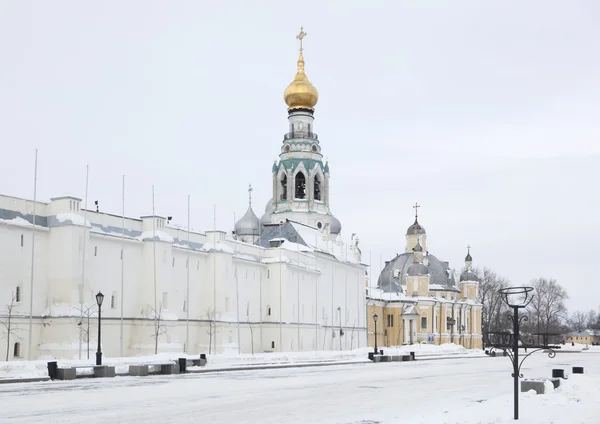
(347, 394)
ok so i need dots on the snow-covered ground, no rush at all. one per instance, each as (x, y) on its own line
(28, 369)
(463, 390)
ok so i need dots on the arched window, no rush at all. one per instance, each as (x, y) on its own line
(17, 350)
(317, 187)
(300, 186)
(283, 187)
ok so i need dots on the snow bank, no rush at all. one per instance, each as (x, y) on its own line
(230, 358)
(157, 235)
(218, 247)
(72, 218)
(18, 221)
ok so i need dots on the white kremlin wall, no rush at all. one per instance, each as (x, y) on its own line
(270, 299)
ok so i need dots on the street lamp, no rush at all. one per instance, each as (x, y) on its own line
(451, 322)
(99, 300)
(375, 318)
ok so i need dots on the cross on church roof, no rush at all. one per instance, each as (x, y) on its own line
(416, 207)
(301, 36)
(469, 248)
(250, 194)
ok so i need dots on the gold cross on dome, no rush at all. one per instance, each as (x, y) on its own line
(301, 37)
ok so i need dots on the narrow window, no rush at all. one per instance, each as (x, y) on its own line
(18, 294)
(246, 274)
(390, 320)
(272, 345)
(184, 306)
(95, 250)
(317, 187)
(173, 262)
(423, 323)
(17, 350)
(22, 240)
(268, 310)
(121, 254)
(113, 302)
(300, 186)
(198, 265)
(268, 273)
(283, 187)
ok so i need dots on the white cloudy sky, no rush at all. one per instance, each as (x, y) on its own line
(486, 113)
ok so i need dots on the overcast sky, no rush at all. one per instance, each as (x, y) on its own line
(486, 113)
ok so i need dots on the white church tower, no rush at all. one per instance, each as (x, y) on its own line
(300, 178)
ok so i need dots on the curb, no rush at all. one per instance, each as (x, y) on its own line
(250, 368)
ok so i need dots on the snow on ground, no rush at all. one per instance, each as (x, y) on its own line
(27, 369)
(464, 390)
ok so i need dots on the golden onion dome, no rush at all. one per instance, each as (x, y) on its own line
(301, 94)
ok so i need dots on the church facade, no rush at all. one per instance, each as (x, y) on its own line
(285, 282)
(418, 300)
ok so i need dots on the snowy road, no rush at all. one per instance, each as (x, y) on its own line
(413, 392)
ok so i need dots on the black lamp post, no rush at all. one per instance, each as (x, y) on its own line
(375, 318)
(517, 298)
(451, 322)
(99, 300)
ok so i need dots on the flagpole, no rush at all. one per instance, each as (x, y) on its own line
(215, 276)
(154, 254)
(187, 295)
(82, 289)
(122, 260)
(29, 350)
(298, 287)
(237, 296)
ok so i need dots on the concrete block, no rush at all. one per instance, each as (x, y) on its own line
(386, 358)
(540, 386)
(104, 371)
(138, 370)
(376, 358)
(67, 373)
(397, 358)
(407, 358)
(199, 362)
(169, 369)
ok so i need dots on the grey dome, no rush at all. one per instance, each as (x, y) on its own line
(266, 218)
(415, 229)
(417, 269)
(468, 258)
(469, 276)
(418, 247)
(248, 225)
(336, 225)
(393, 275)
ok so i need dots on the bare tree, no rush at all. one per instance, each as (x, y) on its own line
(548, 306)
(325, 333)
(352, 335)
(593, 320)
(10, 328)
(159, 324)
(211, 328)
(87, 312)
(250, 326)
(578, 321)
(494, 309)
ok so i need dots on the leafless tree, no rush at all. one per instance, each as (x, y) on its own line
(211, 327)
(10, 328)
(87, 312)
(159, 324)
(325, 333)
(593, 320)
(578, 321)
(352, 335)
(547, 310)
(250, 326)
(494, 309)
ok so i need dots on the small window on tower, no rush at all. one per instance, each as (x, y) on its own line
(317, 187)
(283, 187)
(314, 147)
(22, 240)
(300, 186)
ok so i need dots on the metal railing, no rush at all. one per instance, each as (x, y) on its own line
(301, 134)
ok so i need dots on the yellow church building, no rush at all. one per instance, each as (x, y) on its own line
(417, 299)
